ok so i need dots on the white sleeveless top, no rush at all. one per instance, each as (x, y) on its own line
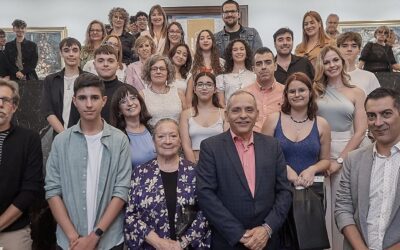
(198, 133)
(161, 106)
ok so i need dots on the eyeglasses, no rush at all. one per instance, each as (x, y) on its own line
(6, 100)
(141, 20)
(95, 31)
(229, 12)
(115, 45)
(156, 69)
(207, 85)
(383, 32)
(131, 98)
(176, 32)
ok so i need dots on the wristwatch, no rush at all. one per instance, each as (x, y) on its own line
(183, 242)
(98, 232)
(339, 160)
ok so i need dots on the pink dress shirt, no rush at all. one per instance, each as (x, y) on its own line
(134, 75)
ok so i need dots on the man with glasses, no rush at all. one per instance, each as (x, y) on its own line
(22, 54)
(21, 178)
(141, 22)
(233, 29)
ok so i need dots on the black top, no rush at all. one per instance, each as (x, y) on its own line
(234, 35)
(21, 173)
(297, 64)
(30, 57)
(3, 65)
(111, 87)
(170, 183)
(128, 42)
(377, 58)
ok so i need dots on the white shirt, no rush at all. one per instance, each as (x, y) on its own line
(384, 176)
(121, 73)
(231, 82)
(364, 79)
(68, 93)
(95, 152)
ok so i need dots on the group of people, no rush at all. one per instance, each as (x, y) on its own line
(156, 149)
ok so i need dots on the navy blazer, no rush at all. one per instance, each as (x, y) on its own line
(30, 56)
(225, 197)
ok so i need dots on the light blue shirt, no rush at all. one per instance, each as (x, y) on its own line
(142, 147)
(66, 172)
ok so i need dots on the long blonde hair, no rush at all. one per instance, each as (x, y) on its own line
(320, 79)
(322, 37)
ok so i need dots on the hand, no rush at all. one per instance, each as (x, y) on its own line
(333, 168)
(292, 175)
(72, 239)
(306, 178)
(176, 245)
(246, 237)
(19, 75)
(166, 244)
(86, 243)
(259, 238)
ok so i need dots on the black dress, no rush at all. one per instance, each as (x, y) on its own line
(377, 58)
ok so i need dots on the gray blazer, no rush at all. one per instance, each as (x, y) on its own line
(352, 198)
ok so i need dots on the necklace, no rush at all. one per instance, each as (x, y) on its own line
(164, 91)
(303, 121)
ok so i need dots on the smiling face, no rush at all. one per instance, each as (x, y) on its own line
(144, 50)
(174, 34)
(157, 19)
(71, 55)
(333, 65)
(230, 14)
(238, 52)
(118, 20)
(159, 73)
(96, 32)
(141, 22)
(205, 41)
(205, 88)
(284, 44)
(181, 56)
(129, 106)
(241, 114)
(383, 120)
(89, 102)
(166, 139)
(311, 26)
(19, 31)
(298, 94)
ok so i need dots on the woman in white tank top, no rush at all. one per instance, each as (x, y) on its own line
(204, 119)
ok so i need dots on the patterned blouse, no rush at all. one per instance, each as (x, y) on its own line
(147, 207)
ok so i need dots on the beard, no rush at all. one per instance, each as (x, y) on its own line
(231, 24)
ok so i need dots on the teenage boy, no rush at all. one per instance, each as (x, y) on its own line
(88, 175)
(58, 88)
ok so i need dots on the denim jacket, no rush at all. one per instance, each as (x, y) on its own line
(250, 35)
(66, 172)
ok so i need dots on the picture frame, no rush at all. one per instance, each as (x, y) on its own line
(196, 18)
(367, 28)
(47, 40)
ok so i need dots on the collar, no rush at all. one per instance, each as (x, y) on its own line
(106, 128)
(238, 138)
(61, 73)
(393, 150)
(262, 88)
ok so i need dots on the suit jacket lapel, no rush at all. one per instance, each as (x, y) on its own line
(259, 151)
(234, 157)
(364, 180)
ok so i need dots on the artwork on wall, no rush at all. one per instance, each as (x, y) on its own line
(367, 28)
(196, 18)
(47, 40)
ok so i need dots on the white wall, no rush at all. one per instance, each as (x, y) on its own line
(266, 16)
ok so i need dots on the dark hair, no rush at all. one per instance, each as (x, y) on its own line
(68, 42)
(198, 61)
(87, 79)
(106, 50)
(121, 11)
(132, 19)
(167, 46)
(230, 2)
(141, 13)
(18, 23)
(349, 36)
(184, 69)
(195, 100)
(229, 63)
(165, 23)
(282, 31)
(383, 92)
(262, 51)
(312, 107)
(116, 118)
(2, 33)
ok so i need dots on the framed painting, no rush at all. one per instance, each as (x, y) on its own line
(196, 18)
(367, 28)
(47, 40)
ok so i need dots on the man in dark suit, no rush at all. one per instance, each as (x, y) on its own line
(22, 54)
(241, 181)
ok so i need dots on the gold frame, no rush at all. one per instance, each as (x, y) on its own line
(49, 62)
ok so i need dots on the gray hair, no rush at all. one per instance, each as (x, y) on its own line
(153, 60)
(14, 88)
(236, 93)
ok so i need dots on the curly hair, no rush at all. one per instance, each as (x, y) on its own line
(198, 61)
(321, 80)
(153, 60)
(165, 23)
(184, 69)
(88, 42)
(229, 63)
(312, 107)
(195, 100)
(167, 46)
(121, 11)
(117, 119)
(321, 33)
